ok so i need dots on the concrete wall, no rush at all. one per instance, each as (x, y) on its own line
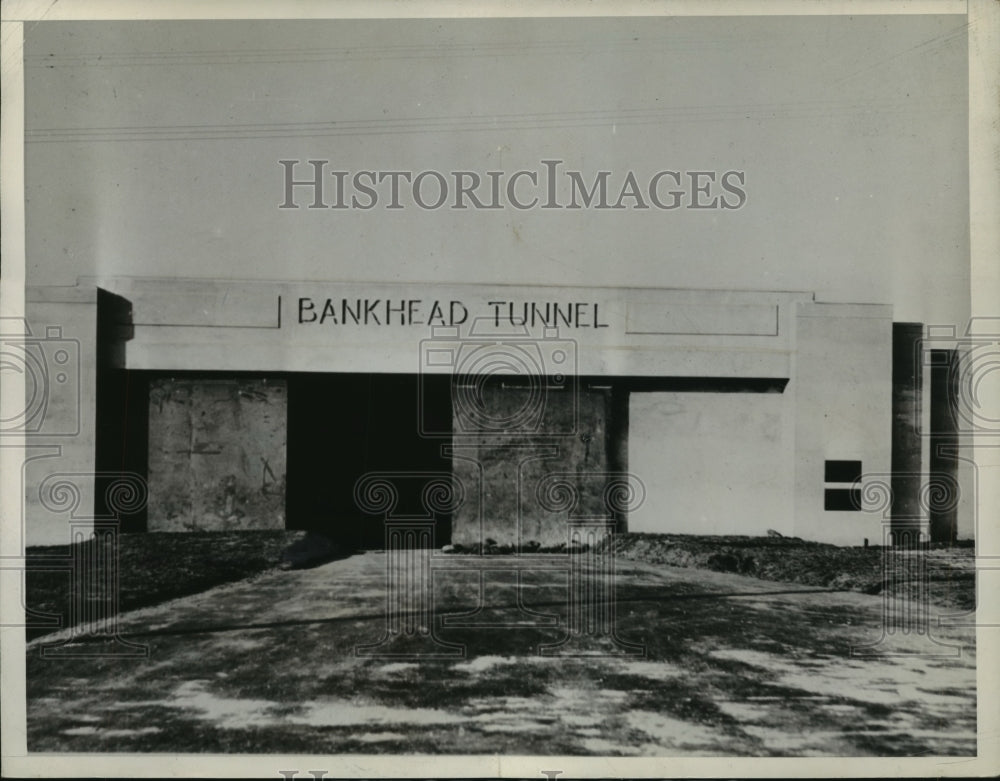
(907, 442)
(523, 484)
(842, 390)
(711, 463)
(214, 325)
(60, 380)
(745, 463)
(217, 454)
(103, 204)
(706, 457)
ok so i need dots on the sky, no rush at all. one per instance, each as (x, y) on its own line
(153, 147)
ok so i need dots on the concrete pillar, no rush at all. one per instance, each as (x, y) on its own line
(907, 384)
(942, 499)
(617, 444)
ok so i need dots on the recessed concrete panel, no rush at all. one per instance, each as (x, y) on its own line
(217, 454)
(183, 303)
(702, 319)
(503, 472)
(711, 463)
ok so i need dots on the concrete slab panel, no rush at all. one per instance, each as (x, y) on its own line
(711, 463)
(217, 451)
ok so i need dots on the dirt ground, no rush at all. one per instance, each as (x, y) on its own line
(152, 568)
(728, 666)
(947, 577)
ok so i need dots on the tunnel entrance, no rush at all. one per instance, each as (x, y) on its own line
(343, 426)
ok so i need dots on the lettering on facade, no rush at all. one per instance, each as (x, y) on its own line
(419, 311)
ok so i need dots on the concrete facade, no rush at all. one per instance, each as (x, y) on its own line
(61, 396)
(217, 454)
(132, 175)
(724, 409)
(843, 391)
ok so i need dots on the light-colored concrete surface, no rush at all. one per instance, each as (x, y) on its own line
(705, 458)
(59, 420)
(731, 666)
